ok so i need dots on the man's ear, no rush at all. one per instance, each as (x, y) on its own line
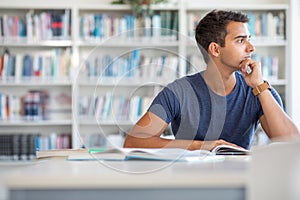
(214, 49)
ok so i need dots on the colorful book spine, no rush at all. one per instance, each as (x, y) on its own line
(110, 107)
(55, 65)
(266, 25)
(162, 25)
(33, 106)
(41, 26)
(131, 65)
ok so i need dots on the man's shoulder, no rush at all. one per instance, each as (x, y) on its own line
(189, 78)
(183, 86)
(185, 80)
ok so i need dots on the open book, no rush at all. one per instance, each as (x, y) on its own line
(158, 154)
(229, 150)
(165, 154)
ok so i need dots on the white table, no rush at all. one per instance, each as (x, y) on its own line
(60, 179)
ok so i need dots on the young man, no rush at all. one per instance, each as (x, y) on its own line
(221, 105)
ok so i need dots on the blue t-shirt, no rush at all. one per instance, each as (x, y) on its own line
(196, 112)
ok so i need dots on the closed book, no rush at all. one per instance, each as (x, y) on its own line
(29, 26)
(24, 147)
(16, 149)
(56, 24)
(156, 27)
(18, 67)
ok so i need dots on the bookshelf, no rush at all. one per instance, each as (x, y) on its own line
(35, 83)
(112, 103)
(93, 52)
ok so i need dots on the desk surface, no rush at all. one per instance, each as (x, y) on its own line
(61, 175)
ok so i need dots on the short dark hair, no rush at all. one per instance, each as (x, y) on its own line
(212, 28)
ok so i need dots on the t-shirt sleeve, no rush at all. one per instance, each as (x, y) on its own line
(165, 105)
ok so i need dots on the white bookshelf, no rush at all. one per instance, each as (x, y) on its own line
(58, 122)
(82, 48)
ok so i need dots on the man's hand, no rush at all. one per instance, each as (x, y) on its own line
(255, 77)
(209, 145)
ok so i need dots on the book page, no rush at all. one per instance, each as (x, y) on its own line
(162, 154)
(229, 150)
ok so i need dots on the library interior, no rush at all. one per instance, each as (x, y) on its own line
(76, 76)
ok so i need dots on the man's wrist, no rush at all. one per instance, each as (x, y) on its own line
(260, 88)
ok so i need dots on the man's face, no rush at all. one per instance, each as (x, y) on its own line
(237, 46)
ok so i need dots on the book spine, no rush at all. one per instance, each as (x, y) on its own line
(53, 141)
(23, 146)
(39, 66)
(114, 107)
(135, 65)
(16, 147)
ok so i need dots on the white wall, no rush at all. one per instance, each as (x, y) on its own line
(294, 60)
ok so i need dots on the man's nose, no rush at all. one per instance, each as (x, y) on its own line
(250, 47)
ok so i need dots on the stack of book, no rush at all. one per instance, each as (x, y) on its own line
(17, 147)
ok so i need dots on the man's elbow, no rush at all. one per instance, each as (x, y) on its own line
(128, 143)
(295, 132)
(290, 134)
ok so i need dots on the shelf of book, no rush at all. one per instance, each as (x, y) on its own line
(35, 70)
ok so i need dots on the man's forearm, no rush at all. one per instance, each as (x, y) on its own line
(279, 123)
(157, 142)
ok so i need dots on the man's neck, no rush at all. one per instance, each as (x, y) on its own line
(219, 81)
